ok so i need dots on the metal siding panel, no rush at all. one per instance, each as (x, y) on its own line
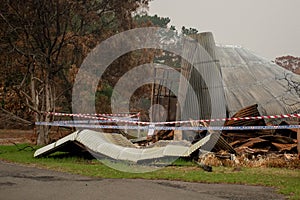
(175, 150)
(108, 149)
(130, 154)
(91, 139)
(151, 153)
(43, 150)
(198, 145)
(56, 144)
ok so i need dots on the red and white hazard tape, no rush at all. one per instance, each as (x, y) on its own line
(89, 116)
(94, 116)
(113, 115)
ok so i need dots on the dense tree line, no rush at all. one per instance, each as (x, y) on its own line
(42, 44)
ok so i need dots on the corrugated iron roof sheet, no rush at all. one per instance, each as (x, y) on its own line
(247, 79)
(109, 145)
(250, 79)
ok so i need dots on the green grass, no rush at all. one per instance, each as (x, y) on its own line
(286, 181)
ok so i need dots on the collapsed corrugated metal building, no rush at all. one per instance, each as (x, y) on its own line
(247, 79)
(223, 81)
(259, 81)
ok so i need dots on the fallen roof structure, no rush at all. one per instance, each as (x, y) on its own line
(116, 146)
(247, 79)
(251, 79)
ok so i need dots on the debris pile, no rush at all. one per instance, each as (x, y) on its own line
(259, 141)
(255, 148)
(240, 147)
(249, 160)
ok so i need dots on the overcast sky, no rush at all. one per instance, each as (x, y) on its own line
(270, 28)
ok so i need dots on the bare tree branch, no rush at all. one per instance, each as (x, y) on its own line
(16, 117)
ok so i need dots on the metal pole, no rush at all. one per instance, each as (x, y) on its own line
(298, 145)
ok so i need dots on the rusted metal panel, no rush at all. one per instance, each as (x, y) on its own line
(250, 111)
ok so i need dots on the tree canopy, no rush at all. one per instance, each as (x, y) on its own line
(43, 43)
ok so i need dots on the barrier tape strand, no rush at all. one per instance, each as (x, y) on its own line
(281, 116)
(152, 126)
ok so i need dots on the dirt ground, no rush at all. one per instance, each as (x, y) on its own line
(23, 182)
(16, 136)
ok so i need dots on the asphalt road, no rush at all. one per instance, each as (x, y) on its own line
(23, 182)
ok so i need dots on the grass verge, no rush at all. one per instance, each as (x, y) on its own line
(286, 181)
